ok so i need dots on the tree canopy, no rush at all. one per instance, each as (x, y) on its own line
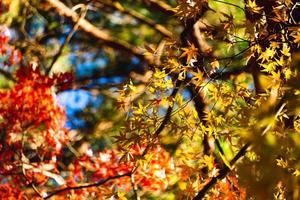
(149, 99)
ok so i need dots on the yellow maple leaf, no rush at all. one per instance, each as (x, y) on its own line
(280, 15)
(131, 86)
(288, 74)
(253, 7)
(266, 55)
(296, 173)
(215, 64)
(140, 110)
(282, 163)
(280, 61)
(198, 77)
(274, 45)
(268, 67)
(182, 75)
(276, 75)
(286, 51)
(297, 38)
(121, 195)
(159, 74)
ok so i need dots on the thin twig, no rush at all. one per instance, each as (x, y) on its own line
(160, 5)
(158, 27)
(67, 40)
(276, 115)
(166, 117)
(87, 185)
(97, 33)
(231, 4)
(222, 173)
(169, 111)
(134, 188)
(236, 55)
(31, 182)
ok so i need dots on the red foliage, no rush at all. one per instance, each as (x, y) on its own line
(13, 55)
(32, 125)
(33, 135)
(153, 175)
(228, 189)
(3, 44)
(7, 191)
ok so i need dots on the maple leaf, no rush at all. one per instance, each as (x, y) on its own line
(286, 50)
(182, 75)
(280, 15)
(274, 45)
(198, 77)
(215, 64)
(253, 7)
(268, 67)
(288, 74)
(190, 189)
(190, 53)
(296, 173)
(281, 61)
(297, 38)
(121, 195)
(266, 55)
(282, 163)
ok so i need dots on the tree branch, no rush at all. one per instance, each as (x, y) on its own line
(134, 188)
(223, 173)
(95, 32)
(231, 4)
(226, 74)
(161, 6)
(158, 27)
(87, 185)
(67, 40)
(166, 117)
(169, 111)
(200, 106)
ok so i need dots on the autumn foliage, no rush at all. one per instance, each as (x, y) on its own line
(213, 115)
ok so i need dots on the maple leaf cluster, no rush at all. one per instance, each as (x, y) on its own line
(187, 9)
(33, 135)
(154, 174)
(7, 191)
(237, 106)
(32, 128)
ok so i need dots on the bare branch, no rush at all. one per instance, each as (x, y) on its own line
(200, 107)
(96, 184)
(199, 28)
(231, 4)
(226, 74)
(161, 6)
(158, 27)
(95, 32)
(67, 40)
(134, 188)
